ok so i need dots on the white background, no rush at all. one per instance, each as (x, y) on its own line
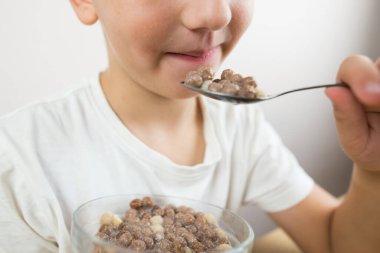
(45, 51)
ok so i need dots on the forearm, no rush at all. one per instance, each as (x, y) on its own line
(356, 222)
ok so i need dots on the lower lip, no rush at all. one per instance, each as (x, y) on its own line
(194, 59)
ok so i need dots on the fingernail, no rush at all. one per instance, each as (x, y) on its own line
(373, 88)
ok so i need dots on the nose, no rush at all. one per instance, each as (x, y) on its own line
(206, 14)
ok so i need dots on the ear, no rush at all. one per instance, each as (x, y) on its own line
(85, 11)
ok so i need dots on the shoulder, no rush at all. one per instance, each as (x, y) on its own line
(30, 135)
(43, 112)
(44, 122)
(43, 107)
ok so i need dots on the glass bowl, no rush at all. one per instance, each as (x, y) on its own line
(86, 222)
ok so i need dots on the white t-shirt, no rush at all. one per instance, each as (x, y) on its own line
(56, 155)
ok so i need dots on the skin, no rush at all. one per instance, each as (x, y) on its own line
(153, 44)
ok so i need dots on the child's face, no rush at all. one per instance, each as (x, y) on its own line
(154, 43)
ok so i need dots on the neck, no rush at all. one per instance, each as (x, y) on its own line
(135, 105)
(173, 127)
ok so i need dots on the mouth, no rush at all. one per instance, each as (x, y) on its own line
(196, 56)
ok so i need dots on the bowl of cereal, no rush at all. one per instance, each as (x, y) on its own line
(157, 223)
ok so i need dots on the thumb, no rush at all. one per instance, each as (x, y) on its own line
(363, 77)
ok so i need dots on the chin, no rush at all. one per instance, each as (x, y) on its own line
(181, 93)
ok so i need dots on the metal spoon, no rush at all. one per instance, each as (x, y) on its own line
(244, 100)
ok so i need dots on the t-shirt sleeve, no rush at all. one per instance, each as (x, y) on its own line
(276, 181)
(26, 220)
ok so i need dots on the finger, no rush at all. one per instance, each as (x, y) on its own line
(363, 77)
(378, 63)
(351, 121)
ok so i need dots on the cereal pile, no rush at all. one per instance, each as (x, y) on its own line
(230, 83)
(149, 227)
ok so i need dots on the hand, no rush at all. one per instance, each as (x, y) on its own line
(357, 111)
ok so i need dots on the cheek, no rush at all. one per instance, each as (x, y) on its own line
(135, 43)
(242, 13)
(130, 25)
(143, 40)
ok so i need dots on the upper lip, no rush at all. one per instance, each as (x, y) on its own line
(201, 46)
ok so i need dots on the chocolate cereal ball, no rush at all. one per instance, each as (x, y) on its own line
(175, 229)
(230, 83)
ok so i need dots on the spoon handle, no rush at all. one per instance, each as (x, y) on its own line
(314, 87)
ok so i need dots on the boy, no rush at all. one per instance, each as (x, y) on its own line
(134, 129)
